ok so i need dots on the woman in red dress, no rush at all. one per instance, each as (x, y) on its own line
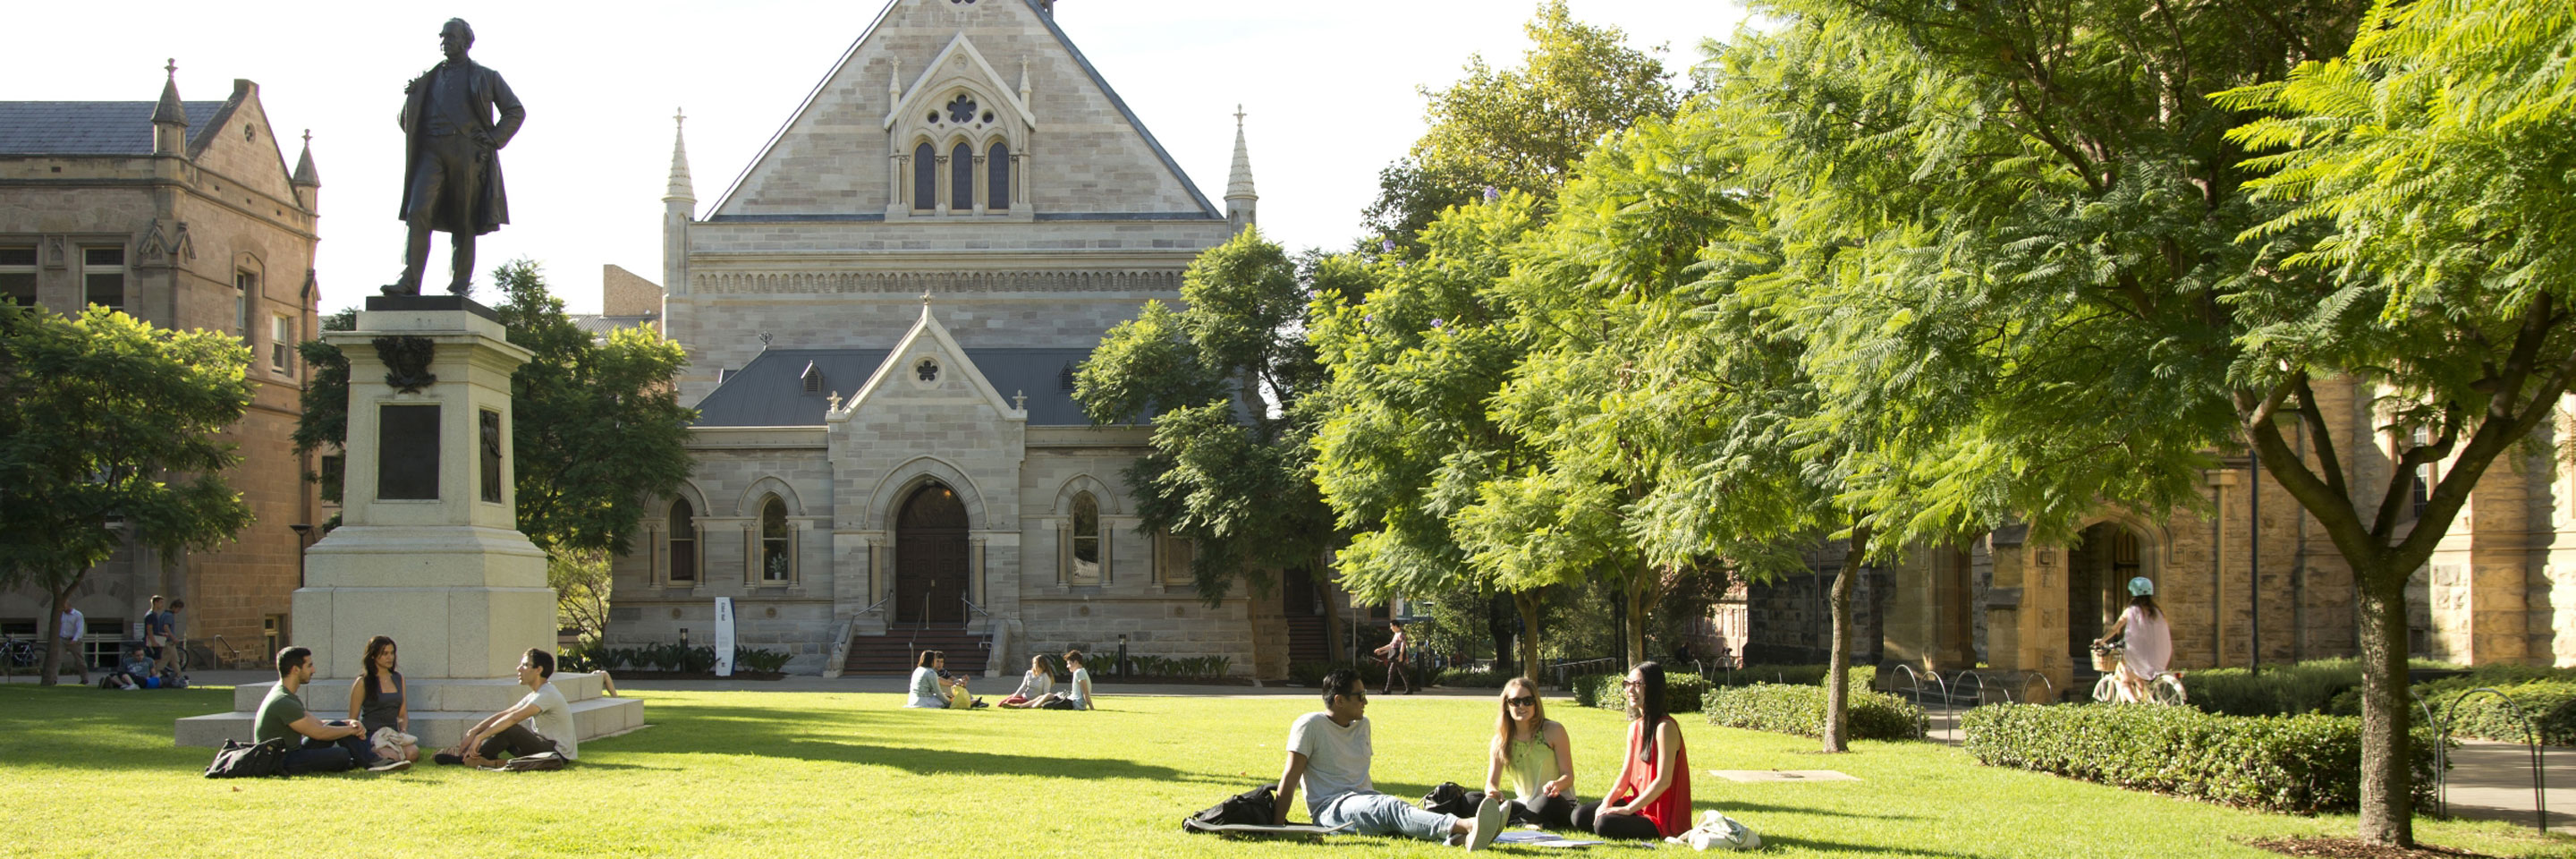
(1651, 796)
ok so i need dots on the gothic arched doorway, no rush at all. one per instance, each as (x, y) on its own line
(2098, 569)
(930, 557)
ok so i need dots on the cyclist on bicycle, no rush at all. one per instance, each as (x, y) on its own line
(2150, 643)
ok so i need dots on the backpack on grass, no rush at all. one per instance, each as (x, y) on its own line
(238, 759)
(539, 762)
(1252, 807)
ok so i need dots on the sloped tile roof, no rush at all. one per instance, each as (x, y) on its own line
(770, 391)
(89, 127)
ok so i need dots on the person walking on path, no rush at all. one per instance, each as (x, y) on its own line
(1652, 796)
(1394, 654)
(1328, 757)
(68, 630)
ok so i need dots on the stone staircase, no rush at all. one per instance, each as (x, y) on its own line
(895, 652)
(1307, 639)
(441, 710)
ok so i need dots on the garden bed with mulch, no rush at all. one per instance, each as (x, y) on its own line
(2354, 848)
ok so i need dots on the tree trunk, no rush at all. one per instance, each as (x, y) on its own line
(1527, 602)
(51, 628)
(1636, 610)
(2387, 777)
(1498, 624)
(1838, 668)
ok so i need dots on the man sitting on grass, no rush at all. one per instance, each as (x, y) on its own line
(509, 733)
(1328, 755)
(331, 746)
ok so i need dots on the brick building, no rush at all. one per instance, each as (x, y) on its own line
(184, 214)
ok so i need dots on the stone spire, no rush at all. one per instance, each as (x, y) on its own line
(679, 205)
(170, 117)
(305, 175)
(1239, 197)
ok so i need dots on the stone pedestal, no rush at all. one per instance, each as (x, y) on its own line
(428, 549)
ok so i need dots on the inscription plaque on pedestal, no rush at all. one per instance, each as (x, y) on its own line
(407, 453)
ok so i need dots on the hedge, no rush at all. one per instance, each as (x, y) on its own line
(1864, 676)
(2551, 704)
(1800, 710)
(2307, 687)
(1312, 673)
(1682, 691)
(2307, 764)
(1466, 678)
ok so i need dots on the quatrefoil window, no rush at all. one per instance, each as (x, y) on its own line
(961, 109)
(927, 369)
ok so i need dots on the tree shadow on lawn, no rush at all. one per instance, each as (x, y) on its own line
(1731, 807)
(1772, 841)
(958, 762)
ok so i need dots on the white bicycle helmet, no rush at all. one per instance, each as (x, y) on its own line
(2140, 587)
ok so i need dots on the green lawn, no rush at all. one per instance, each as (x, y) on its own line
(795, 775)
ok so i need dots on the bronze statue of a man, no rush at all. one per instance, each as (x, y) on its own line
(451, 179)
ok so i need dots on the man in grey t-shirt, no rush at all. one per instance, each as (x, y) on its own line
(541, 722)
(1328, 755)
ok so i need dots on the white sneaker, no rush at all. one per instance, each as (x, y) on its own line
(1489, 823)
(392, 766)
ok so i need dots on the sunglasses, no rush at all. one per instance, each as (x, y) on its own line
(1632, 684)
(1522, 701)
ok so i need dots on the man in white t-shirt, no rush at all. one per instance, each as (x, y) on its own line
(1328, 755)
(541, 722)
(67, 635)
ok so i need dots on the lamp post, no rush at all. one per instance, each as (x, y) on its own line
(303, 537)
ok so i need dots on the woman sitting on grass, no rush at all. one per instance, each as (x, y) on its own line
(376, 700)
(1033, 685)
(1077, 691)
(933, 688)
(1534, 750)
(1651, 797)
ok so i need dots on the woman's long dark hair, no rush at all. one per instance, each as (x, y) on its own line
(2147, 603)
(376, 645)
(1650, 706)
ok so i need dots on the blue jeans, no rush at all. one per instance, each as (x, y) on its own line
(330, 756)
(1380, 814)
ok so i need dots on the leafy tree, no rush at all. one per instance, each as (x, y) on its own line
(2426, 177)
(582, 586)
(110, 431)
(1520, 129)
(597, 425)
(1223, 379)
(1406, 442)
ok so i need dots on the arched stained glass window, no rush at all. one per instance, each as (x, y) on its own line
(997, 173)
(774, 539)
(961, 178)
(925, 178)
(683, 541)
(1085, 535)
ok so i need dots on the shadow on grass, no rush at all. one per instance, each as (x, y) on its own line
(958, 762)
(1772, 841)
(1732, 807)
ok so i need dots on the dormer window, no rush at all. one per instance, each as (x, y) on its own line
(813, 378)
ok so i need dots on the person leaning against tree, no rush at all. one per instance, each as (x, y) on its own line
(1651, 796)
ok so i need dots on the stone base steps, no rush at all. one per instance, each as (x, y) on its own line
(441, 710)
(897, 651)
(1307, 640)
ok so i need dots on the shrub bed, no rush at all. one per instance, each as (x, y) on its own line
(1864, 676)
(1800, 710)
(1312, 673)
(2307, 687)
(1468, 679)
(2551, 704)
(1683, 692)
(2306, 764)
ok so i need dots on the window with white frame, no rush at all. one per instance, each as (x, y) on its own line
(680, 544)
(18, 275)
(1082, 558)
(777, 544)
(103, 277)
(281, 344)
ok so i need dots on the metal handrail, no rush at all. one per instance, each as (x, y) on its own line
(973, 609)
(2539, 779)
(878, 604)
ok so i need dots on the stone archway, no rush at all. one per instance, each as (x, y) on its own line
(930, 557)
(2099, 565)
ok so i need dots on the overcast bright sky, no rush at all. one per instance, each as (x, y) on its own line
(1328, 87)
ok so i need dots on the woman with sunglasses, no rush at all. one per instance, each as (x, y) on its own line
(1533, 750)
(1651, 797)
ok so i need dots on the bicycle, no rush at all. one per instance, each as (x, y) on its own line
(17, 654)
(2165, 689)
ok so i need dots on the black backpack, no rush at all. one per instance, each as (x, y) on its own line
(1449, 798)
(238, 759)
(1252, 807)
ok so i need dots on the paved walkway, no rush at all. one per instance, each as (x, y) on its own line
(2492, 781)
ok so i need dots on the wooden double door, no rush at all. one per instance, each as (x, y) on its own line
(931, 566)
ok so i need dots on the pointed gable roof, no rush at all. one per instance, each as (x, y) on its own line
(815, 165)
(899, 360)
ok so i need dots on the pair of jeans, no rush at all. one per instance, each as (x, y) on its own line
(330, 756)
(1548, 812)
(1627, 826)
(1379, 814)
(514, 741)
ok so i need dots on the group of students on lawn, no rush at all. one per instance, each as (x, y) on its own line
(934, 687)
(376, 735)
(1328, 758)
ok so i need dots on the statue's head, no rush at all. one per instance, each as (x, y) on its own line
(455, 38)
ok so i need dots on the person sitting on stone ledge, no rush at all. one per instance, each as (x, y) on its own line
(331, 746)
(1077, 691)
(541, 722)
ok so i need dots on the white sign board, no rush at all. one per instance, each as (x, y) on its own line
(724, 636)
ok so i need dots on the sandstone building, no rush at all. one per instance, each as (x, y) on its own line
(184, 214)
(882, 316)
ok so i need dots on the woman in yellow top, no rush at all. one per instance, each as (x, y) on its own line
(1534, 753)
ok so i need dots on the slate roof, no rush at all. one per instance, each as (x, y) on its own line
(770, 392)
(89, 127)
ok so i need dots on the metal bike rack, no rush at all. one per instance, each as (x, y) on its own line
(1923, 713)
(2027, 676)
(1966, 675)
(2441, 752)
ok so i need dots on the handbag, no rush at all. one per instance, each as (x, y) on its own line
(1717, 831)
